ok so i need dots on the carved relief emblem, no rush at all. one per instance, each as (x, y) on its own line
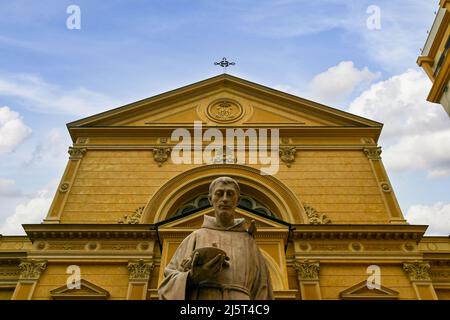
(224, 110)
(314, 217)
(287, 155)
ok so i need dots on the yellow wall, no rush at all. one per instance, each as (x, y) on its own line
(109, 184)
(113, 278)
(335, 278)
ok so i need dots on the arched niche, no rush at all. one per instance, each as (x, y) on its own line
(283, 203)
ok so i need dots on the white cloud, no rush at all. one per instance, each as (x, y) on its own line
(400, 103)
(31, 211)
(336, 84)
(8, 188)
(12, 130)
(40, 96)
(430, 152)
(52, 151)
(416, 133)
(437, 216)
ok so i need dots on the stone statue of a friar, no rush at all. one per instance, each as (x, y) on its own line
(220, 260)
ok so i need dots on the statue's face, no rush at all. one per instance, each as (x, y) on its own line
(224, 199)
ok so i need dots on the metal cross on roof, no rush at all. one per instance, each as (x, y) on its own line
(224, 63)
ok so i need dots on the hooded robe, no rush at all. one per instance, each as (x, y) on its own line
(246, 278)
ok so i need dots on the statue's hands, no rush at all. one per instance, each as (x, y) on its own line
(208, 270)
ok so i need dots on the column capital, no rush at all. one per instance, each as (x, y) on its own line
(77, 153)
(417, 271)
(31, 270)
(373, 153)
(140, 270)
(307, 270)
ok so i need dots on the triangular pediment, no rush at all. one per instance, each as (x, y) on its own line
(361, 291)
(252, 105)
(86, 291)
(195, 221)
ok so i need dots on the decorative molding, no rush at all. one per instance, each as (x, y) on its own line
(439, 274)
(92, 246)
(224, 110)
(307, 270)
(40, 245)
(135, 217)
(31, 270)
(140, 270)
(356, 246)
(64, 187)
(87, 291)
(385, 187)
(360, 291)
(285, 140)
(9, 272)
(287, 155)
(373, 153)
(314, 217)
(409, 246)
(91, 232)
(417, 270)
(163, 140)
(367, 140)
(400, 233)
(77, 153)
(161, 154)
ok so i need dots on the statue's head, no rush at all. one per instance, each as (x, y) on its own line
(224, 195)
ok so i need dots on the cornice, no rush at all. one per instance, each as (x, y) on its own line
(166, 130)
(261, 234)
(90, 231)
(440, 82)
(369, 232)
(12, 257)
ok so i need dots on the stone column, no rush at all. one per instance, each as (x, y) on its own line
(30, 272)
(418, 273)
(308, 279)
(139, 275)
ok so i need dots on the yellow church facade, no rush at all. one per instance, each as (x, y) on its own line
(328, 220)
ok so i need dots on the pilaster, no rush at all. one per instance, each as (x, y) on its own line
(308, 279)
(418, 273)
(30, 272)
(54, 214)
(139, 275)
(388, 196)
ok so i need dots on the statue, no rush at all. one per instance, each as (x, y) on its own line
(221, 259)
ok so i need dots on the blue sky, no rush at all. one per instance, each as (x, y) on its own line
(129, 50)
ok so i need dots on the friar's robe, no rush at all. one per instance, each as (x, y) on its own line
(246, 278)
